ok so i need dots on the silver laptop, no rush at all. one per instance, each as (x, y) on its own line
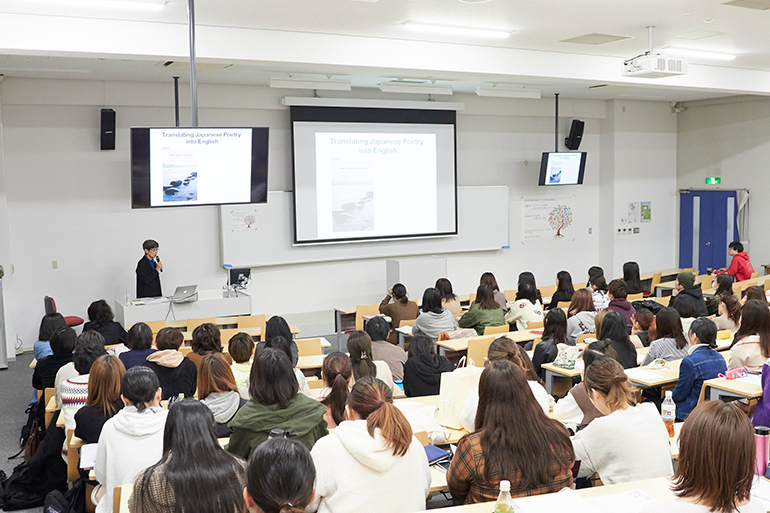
(185, 294)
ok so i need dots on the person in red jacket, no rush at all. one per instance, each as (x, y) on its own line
(740, 268)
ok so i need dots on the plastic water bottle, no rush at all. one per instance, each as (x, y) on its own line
(668, 412)
(128, 297)
(504, 502)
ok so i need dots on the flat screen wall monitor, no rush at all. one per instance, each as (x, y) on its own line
(240, 276)
(174, 167)
(562, 168)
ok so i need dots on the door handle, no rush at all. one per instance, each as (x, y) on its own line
(708, 244)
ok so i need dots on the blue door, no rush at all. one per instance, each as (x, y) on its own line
(708, 223)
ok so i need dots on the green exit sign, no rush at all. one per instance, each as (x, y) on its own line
(712, 180)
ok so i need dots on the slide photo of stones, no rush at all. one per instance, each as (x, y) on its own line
(180, 182)
(352, 205)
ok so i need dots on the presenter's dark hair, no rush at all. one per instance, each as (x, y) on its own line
(593, 273)
(280, 476)
(139, 385)
(169, 338)
(724, 285)
(50, 323)
(277, 326)
(527, 291)
(668, 324)
(489, 279)
(631, 277)
(241, 347)
(139, 336)
(431, 301)
(193, 464)
(89, 347)
(206, 338)
(485, 298)
(272, 379)
(755, 320)
(706, 331)
(360, 350)
(377, 328)
(399, 293)
(565, 284)
(736, 246)
(150, 244)
(63, 340)
(420, 345)
(444, 286)
(555, 326)
(337, 371)
(618, 289)
(100, 313)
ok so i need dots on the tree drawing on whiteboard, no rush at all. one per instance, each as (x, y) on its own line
(560, 218)
(249, 220)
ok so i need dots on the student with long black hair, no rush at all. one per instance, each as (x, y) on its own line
(631, 278)
(195, 473)
(723, 285)
(528, 277)
(434, 319)
(48, 324)
(613, 328)
(484, 311)
(337, 375)
(279, 478)
(668, 342)
(554, 333)
(564, 289)
(490, 280)
(448, 298)
(277, 326)
(360, 350)
(525, 308)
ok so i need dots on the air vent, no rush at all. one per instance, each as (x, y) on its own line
(595, 39)
(698, 34)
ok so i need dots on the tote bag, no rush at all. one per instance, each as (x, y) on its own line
(455, 387)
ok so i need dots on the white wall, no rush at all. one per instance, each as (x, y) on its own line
(70, 202)
(730, 139)
(9, 334)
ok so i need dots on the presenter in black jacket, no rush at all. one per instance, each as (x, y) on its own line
(147, 271)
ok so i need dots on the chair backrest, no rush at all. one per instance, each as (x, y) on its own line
(406, 322)
(665, 300)
(478, 348)
(367, 310)
(227, 334)
(547, 291)
(314, 383)
(48, 394)
(724, 334)
(754, 276)
(655, 280)
(253, 321)
(156, 326)
(308, 346)
(533, 325)
(563, 304)
(185, 350)
(194, 323)
(583, 336)
(635, 297)
(422, 436)
(49, 304)
(73, 457)
(116, 499)
(494, 330)
(472, 298)
(510, 295)
(578, 286)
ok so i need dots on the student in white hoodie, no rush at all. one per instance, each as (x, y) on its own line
(132, 440)
(371, 462)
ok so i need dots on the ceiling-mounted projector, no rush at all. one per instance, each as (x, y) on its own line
(652, 64)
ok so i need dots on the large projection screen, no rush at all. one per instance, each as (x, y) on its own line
(373, 174)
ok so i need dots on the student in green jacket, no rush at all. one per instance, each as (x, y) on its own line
(275, 403)
(485, 311)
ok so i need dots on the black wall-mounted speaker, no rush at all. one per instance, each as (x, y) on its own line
(572, 142)
(107, 129)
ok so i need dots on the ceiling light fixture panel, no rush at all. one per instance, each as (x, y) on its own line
(141, 5)
(686, 52)
(320, 84)
(508, 92)
(457, 31)
(595, 39)
(415, 88)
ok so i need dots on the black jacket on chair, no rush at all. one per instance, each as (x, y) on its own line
(147, 279)
(689, 302)
(422, 374)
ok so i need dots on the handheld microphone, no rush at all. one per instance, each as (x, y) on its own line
(157, 259)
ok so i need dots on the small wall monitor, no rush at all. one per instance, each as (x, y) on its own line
(175, 167)
(240, 277)
(562, 168)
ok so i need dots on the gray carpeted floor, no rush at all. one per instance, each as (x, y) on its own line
(15, 394)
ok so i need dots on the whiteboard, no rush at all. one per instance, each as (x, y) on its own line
(261, 235)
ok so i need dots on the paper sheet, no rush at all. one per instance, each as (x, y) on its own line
(628, 502)
(752, 379)
(761, 490)
(638, 374)
(88, 455)
(565, 500)
(406, 330)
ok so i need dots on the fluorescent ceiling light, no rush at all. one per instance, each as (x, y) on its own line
(321, 84)
(144, 5)
(460, 31)
(506, 92)
(700, 53)
(415, 87)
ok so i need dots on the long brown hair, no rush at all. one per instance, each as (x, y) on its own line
(733, 307)
(606, 375)
(582, 301)
(360, 350)
(755, 292)
(373, 401)
(598, 322)
(215, 375)
(755, 320)
(515, 433)
(716, 457)
(504, 348)
(337, 371)
(489, 279)
(104, 383)
(485, 298)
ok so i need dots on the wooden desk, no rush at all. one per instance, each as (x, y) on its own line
(50, 409)
(315, 361)
(718, 388)
(663, 274)
(554, 373)
(339, 318)
(461, 344)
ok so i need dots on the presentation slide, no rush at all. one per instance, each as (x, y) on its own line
(190, 166)
(358, 181)
(563, 169)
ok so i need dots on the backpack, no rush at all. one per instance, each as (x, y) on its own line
(31, 435)
(21, 491)
(73, 501)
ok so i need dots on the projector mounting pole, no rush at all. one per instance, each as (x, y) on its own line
(176, 100)
(650, 29)
(193, 78)
(556, 125)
